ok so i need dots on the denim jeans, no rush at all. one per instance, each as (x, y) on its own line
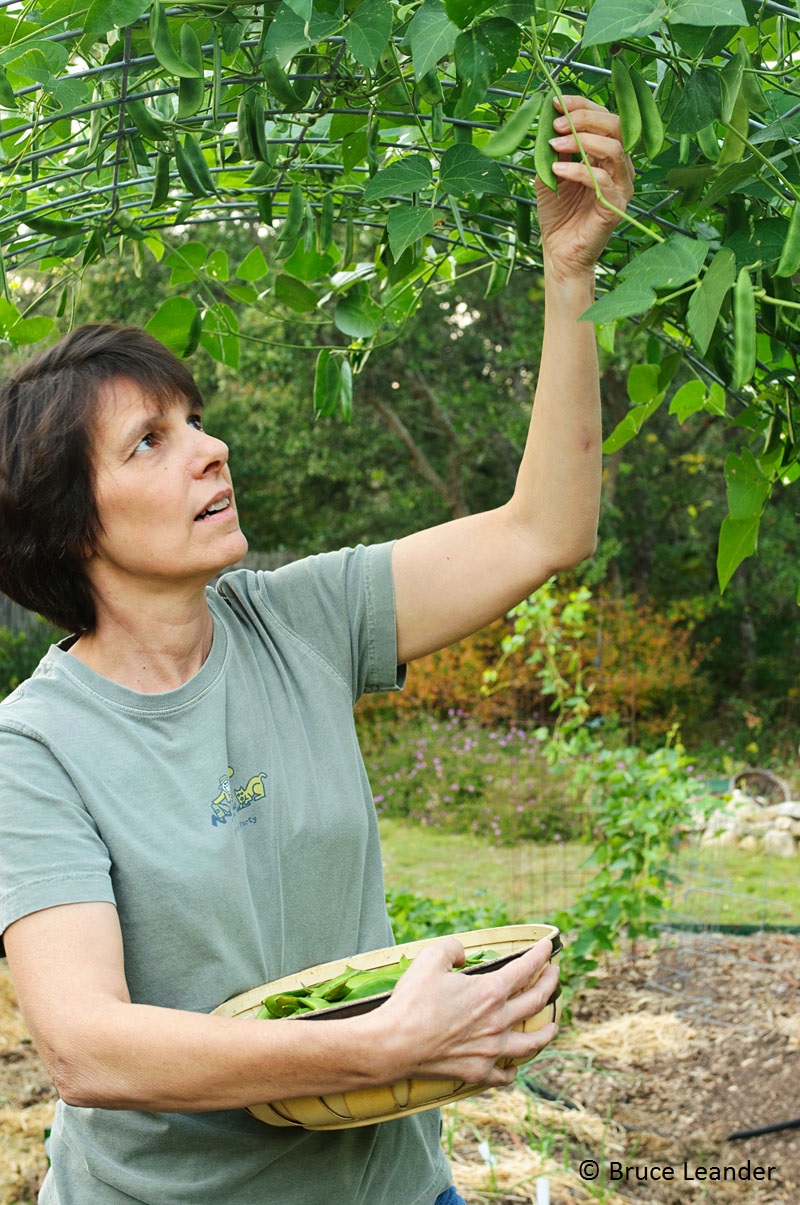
(450, 1197)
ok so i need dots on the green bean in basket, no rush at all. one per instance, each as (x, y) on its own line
(345, 988)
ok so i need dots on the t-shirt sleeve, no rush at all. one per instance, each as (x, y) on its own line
(341, 604)
(51, 852)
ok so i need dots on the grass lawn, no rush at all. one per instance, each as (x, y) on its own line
(534, 881)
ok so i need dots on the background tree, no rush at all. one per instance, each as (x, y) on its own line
(383, 152)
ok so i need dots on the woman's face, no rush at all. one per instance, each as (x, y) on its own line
(163, 494)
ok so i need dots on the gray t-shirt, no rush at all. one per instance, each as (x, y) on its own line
(231, 823)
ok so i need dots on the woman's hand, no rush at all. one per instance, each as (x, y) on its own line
(574, 222)
(438, 1025)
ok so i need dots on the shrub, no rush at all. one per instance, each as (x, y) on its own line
(21, 652)
(415, 917)
(460, 776)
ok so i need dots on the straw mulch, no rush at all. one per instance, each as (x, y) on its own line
(637, 1082)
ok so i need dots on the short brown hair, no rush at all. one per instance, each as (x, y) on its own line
(48, 515)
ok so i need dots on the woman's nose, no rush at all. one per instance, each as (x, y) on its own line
(211, 452)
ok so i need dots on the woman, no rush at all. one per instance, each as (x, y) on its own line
(188, 763)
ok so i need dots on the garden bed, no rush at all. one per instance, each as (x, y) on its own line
(649, 1087)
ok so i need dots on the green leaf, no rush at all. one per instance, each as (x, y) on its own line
(746, 486)
(706, 300)
(406, 224)
(707, 12)
(220, 335)
(327, 382)
(186, 262)
(217, 265)
(700, 103)
(482, 55)
(288, 33)
(253, 266)
(738, 539)
(643, 382)
(174, 324)
(431, 36)
(400, 179)
(346, 390)
(783, 129)
(668, 264)
(368, 31)
(103, 15)
(630, 297)
(611, 20)
(356, 316)
(7, 98)
(464, 171)
(298, 296)
(309, 265)
(303, 8)
(464, 12)
(17, 330)
(688, 400)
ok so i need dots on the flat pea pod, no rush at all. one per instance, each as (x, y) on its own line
(264, 207)
(191, 89)
(544, 156)
(789, 262)
(735, 141)
(161, 180)
(437, 123)
(744, 330)
(147, 125)
(505, 140)
(708, 143)
(630, 116)
(349, 241)
(523, 208)
(54, 227)
(243, 137)
(429, 87)
(295, 214)
(7, 97)
(279, 85)
(326, 222)
(255, 120)
(192, 167)
(163, 49)
(373, 144)
(652, 125)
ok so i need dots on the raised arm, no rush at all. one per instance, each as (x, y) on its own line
(453, 579)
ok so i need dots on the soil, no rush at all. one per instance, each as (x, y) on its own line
(677, 1047)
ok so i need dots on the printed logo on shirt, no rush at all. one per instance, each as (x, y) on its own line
(232, 800)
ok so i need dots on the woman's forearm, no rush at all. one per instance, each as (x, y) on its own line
(557, 495)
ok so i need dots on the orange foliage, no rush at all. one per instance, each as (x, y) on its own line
(639, 667)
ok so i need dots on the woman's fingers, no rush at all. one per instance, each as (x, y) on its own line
(469, 1027)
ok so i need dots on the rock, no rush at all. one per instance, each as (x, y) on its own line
(750, 843)
(720, 836)
(782, 824)
(780, 843)
(790, 808)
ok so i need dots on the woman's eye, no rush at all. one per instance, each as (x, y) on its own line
(196, 420)
(147, 441)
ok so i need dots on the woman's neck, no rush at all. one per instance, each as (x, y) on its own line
(149, 651)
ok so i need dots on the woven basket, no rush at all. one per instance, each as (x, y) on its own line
(366, 1106)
